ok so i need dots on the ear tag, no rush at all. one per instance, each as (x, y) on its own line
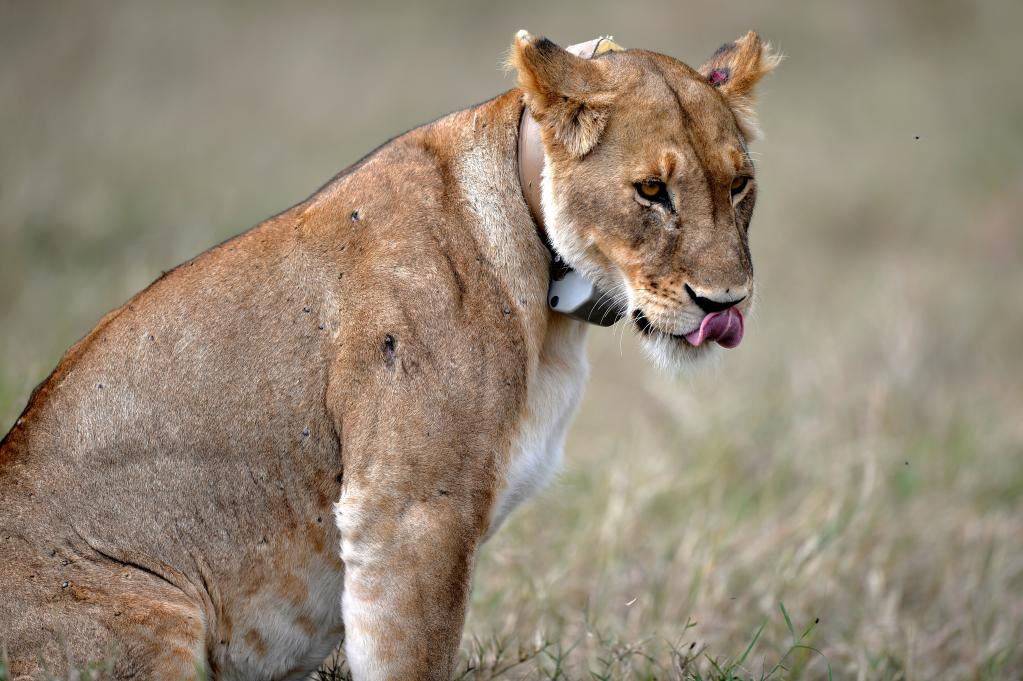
(607, 45)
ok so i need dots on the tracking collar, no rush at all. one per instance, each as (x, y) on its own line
(570, 292)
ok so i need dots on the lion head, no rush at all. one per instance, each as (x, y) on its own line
(648, 185)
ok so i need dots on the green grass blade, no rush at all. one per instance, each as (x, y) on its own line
(749, 648)
(788, 621)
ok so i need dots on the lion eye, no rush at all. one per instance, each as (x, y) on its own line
(653, 190)
(739, 184)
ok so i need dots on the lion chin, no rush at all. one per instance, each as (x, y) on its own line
(675, 353)
(675, 356)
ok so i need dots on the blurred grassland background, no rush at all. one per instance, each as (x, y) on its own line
(859, 458)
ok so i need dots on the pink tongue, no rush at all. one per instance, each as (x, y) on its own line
(724, 327)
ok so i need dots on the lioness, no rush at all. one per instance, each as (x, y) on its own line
(307, 432)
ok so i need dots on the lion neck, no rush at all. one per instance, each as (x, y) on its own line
(484, 165)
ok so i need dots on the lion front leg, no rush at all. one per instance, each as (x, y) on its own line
(408, 568)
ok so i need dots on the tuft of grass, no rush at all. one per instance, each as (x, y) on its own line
(548, 658)
(334, 669)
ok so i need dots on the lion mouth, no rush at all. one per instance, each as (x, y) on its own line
(725, 328)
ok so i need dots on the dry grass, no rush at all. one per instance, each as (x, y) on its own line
(859, 458)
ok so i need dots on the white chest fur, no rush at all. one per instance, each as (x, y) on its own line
(553, 393)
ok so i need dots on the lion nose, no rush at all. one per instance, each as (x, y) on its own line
(715, 303)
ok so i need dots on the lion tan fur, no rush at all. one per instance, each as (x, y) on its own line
(307, 432)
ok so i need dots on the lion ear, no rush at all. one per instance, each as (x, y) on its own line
(735, 69)
(566, 94)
